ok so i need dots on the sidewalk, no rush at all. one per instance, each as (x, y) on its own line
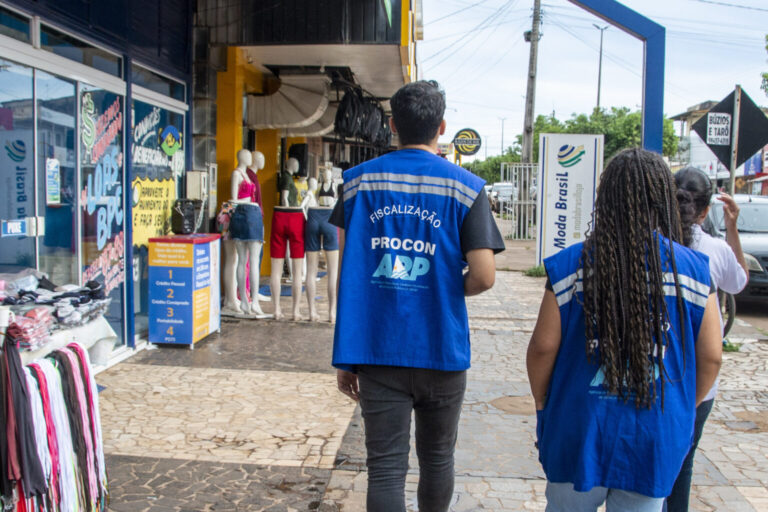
(251, 420)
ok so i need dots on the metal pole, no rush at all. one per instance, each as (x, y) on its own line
(600, 65)
(530, 95)
(735, 138)
(502, 134)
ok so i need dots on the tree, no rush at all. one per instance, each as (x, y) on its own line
(764, 86)
(621, 127)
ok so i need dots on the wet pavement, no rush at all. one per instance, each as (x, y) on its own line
(251, 420)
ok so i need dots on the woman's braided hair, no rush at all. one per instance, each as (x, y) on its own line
(623, 275)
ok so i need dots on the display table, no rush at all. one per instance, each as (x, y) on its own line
(97, 336)
(184, 296)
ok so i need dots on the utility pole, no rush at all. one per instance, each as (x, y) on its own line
(502, 134)
(734, 138)
(600, 65)
(530, 96)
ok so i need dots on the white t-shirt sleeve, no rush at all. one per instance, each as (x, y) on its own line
(728, 275)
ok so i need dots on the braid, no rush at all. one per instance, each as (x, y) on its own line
(624, 300)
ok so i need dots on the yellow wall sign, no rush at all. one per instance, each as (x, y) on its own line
(467, 142)
(152, 205)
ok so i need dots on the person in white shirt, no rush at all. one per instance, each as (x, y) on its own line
(728, 271)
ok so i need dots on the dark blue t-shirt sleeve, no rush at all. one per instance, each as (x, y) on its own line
(479, 230)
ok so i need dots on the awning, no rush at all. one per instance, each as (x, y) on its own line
(322, 126)
(300, 101)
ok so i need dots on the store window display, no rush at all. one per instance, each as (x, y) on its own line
(320, 234)
(288, 224)
(246, 229)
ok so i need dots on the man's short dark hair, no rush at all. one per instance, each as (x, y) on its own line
(417, 111)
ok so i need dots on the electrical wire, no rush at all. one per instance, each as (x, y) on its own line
(728, 4)
(456, 12)
(474, 31)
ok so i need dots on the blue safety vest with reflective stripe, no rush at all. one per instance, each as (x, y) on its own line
(401, 297)
(589, 437)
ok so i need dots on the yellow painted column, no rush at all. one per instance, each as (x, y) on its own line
(268, 142)
(229, 120)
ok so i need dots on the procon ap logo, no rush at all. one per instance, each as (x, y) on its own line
(568, 156)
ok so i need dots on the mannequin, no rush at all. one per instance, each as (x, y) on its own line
(287, 229)
(247, 230)
(321, 234)
(258, 164)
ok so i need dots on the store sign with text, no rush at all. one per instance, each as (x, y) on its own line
(570, 167)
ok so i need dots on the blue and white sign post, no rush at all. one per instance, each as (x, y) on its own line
(570, 169)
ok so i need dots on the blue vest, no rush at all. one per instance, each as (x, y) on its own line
(401, 296)
(591, 438)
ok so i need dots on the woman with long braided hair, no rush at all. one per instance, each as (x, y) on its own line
(625, 347)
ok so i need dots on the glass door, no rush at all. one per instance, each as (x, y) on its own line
(17, 178)
(57, 177)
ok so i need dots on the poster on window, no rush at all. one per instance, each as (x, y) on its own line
(101, 150)
(570, 166)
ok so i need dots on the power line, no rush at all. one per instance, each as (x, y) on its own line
(728, 4)
(456, 12)
(474, 32)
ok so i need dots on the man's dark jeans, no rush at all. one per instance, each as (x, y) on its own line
(678, 499)
(387, 396)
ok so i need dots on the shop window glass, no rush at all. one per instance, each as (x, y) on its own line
(101, 189)
(14, 25)
(57, 173)
(17, 167)
(158, 171)
(79, 51)
(158, 83)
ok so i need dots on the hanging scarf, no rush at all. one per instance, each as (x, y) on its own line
(53, 445)
(70, 489)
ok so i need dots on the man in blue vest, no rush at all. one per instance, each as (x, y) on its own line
(411, 223)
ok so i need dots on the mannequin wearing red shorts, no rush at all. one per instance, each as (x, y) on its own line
(287, 231)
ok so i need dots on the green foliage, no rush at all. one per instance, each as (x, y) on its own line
(537, 271)
(490, 169)
(730, 347)
(764, 86)
(622, 129)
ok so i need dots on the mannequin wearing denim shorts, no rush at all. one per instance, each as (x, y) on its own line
(247, 230)
(321, 235)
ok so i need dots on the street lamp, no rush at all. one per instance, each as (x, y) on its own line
(600, 65)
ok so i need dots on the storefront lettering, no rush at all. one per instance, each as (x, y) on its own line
(109, 125)
(114, 274)
(21, 191)
(147, 127)
(104, 196)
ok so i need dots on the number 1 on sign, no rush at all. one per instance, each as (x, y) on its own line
(170, 274)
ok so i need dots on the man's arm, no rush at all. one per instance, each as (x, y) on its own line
(346, 381)
(543, 349)
(482, 271)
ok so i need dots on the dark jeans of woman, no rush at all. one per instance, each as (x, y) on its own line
(677, 501)
(388, 395)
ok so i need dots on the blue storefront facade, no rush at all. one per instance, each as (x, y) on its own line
(94, 114)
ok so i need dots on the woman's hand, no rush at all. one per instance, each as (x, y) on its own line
(730, 210)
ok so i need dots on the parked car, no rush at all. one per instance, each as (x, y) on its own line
(753, 232)
(502, 192)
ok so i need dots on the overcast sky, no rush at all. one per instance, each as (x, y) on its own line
(480, 58)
